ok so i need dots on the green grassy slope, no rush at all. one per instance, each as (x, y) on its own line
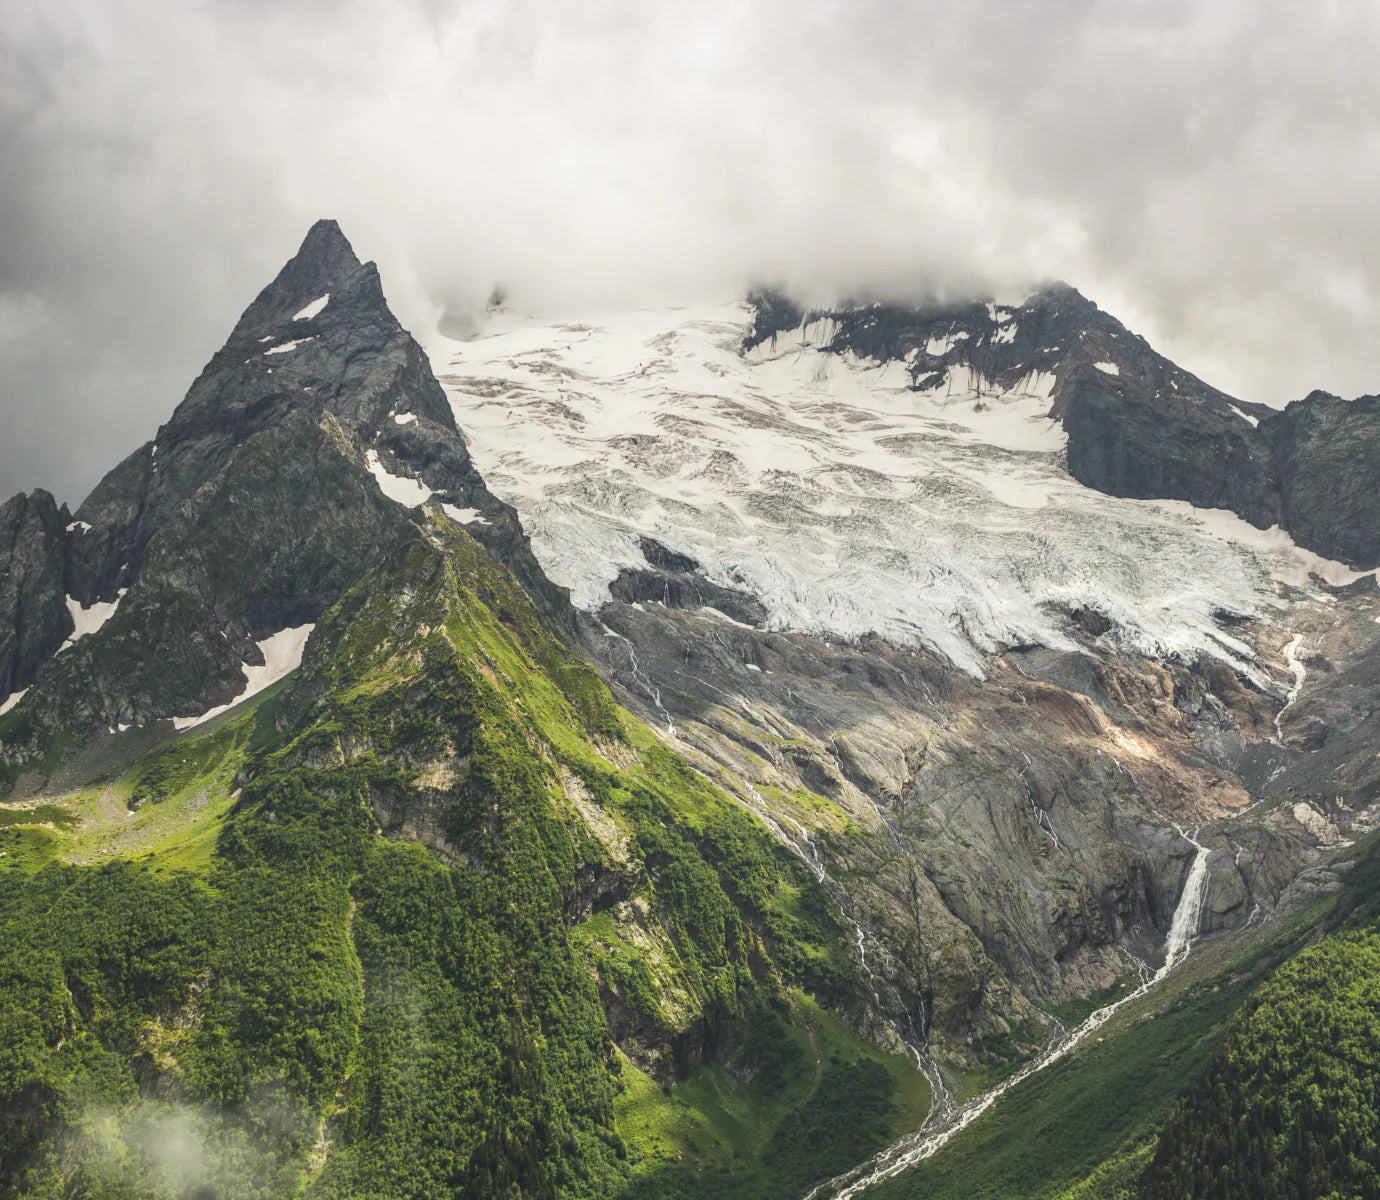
(375, 936)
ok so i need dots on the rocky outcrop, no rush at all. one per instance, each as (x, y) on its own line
(268, 544)
(34, 620)
(675, 580)
(297, 456)
(1313, 469)
(1327, 459)
(348, 358)
(1128, 437)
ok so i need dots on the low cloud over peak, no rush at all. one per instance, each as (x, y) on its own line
(1206, 172)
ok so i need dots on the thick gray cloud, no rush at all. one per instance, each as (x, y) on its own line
(1204, 170)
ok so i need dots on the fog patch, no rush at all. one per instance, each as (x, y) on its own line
(191, 1151)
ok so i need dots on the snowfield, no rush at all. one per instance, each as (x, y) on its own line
(845, 502)
(89, 620)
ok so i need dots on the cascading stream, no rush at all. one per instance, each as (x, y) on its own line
(945, 1119)
(802, 845)
(941, 1099)
(639, 677)
(1299, 670)
(920, 1145)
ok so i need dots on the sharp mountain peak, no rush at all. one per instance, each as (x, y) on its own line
(1014, 738)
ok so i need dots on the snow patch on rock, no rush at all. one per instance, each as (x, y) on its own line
(312, 309)
(284, 347)
(465, 516)
(410, 493)
(89, 620)
(1108, 368)
(282, 655)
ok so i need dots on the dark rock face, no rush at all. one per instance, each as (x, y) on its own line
(240, 560)
(1313, 469)
(773, 313)
(351, 359)
(256, 507)
(676, 581)
(1137, 425)
(34, 620)
(663, 558)
(995, 850)
(1327, 456)
(1127, 438)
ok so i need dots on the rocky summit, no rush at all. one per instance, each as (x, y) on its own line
(742, 751)
(277, 481)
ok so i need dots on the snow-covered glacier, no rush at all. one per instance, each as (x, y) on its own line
(846, 501)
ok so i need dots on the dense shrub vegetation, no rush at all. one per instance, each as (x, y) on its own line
(1290, 1106)
(332, 1009)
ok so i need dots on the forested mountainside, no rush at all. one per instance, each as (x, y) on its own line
(873, 775)
(441, 865)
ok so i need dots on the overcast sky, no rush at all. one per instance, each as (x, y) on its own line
(1206, 170)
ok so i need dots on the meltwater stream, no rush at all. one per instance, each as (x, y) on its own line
(941, 1099)
(927, 1140)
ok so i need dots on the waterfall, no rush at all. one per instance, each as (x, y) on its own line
(1188, 913)
(917, 1146)
(1300, 672)
(802, 845)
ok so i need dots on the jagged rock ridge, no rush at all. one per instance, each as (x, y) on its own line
(276, 482)
(1137, 425)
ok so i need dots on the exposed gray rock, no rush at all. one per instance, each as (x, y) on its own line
(676, 581)
(34, 620)
(1128, 437)
(252, 511)
(1004, 843)
(269, 543)
(1327, 458)
(351, 360)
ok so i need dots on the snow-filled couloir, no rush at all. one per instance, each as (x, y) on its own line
(846, 501)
